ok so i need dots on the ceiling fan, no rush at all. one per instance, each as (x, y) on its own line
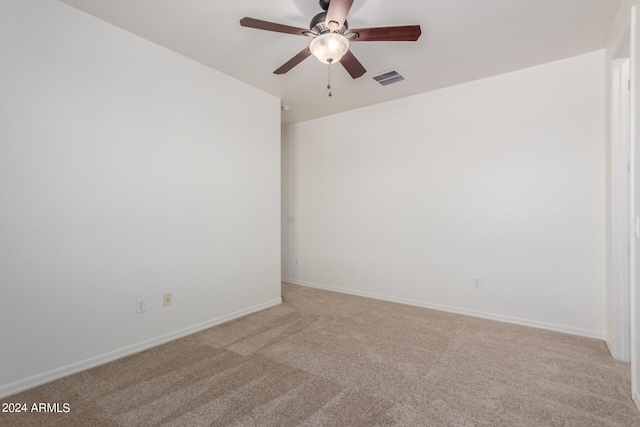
(331, 36)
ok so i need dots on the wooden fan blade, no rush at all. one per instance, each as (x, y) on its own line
(337, 12)
(406, 33)
(352, 65)
(301, 56)
(272, 26)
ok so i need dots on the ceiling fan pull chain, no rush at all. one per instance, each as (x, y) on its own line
(329, 78)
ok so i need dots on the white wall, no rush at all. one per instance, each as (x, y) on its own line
(500, 179)
(126, 171)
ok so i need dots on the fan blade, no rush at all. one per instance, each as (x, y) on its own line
(352, 65)
(406, 33)
(337, 12)
(272, 26)
(304, 53)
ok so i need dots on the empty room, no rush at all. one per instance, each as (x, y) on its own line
(303, 212)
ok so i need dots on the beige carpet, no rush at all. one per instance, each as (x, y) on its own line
(323, 358)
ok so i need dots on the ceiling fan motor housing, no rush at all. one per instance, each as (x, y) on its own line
(318, 24)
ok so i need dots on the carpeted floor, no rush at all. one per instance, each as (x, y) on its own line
(323, 358)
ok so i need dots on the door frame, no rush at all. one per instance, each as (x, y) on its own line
(621, 207)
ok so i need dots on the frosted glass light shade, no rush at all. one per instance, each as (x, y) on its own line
(329, 46)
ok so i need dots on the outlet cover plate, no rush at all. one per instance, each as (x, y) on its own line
(141, 305)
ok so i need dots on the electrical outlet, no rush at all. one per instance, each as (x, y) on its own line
(167, 299)
(141, 305)
(477, 284)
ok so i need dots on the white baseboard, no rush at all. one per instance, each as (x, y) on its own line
(609, 344)
(457, 310)
(37, 380)
(615, 354)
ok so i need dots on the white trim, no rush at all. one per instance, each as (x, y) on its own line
(636, 399)
(37, 380)
(619, 342)
(633, 273)
(609, 346)
(457, 310)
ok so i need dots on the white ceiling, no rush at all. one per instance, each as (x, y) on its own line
(462, 40)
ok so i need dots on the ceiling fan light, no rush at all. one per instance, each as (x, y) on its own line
(329, 47)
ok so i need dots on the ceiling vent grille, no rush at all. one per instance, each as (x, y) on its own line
(388, 78)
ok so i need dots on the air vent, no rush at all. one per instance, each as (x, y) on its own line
(388, 78)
